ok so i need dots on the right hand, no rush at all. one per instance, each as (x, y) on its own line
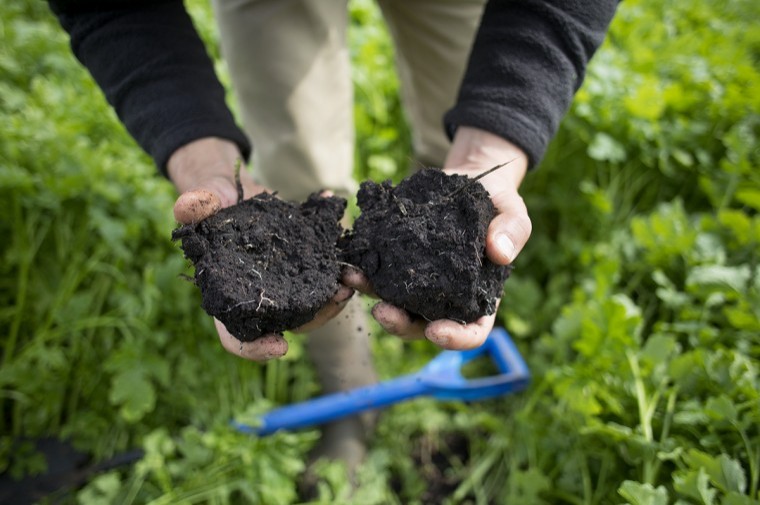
(473, 152)
(203, 172)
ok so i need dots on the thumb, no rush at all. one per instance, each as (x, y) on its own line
(509, 231)
(196, 205)
(207, 197)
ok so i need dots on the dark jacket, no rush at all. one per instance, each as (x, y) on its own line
(528, 59)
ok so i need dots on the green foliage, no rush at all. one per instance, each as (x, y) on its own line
(636, 302)
(103, 343)
(640, 322)
(383, 140)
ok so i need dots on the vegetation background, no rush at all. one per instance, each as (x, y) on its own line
(636, 302)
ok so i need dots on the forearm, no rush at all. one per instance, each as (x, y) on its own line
(528, 60)
(154, 70)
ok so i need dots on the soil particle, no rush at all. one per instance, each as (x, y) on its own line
(422, 245)
(266, 265)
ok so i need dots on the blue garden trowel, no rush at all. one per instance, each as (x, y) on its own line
(441, 378)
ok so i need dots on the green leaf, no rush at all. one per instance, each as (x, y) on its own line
(659, 348)
(731, 477)
(683, 157)
(133, 394)
(647, 101)
(721, 408)
(665, 235)
(725, 473)
(526, 486)
(719, 276)
(643, 494)
(749, 197)
(745, 316)
(739, 224)
(668, 292)
(102, 489)
(733, 498)
(605, 148)
(695, 484)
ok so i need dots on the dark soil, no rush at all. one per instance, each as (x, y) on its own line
(422, 245)
(266, 265)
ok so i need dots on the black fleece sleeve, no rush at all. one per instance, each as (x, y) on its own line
(528, 60)
(154, 70)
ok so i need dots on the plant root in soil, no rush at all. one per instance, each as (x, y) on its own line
(266, 265)
(422, 245)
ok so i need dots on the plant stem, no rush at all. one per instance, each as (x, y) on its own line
(645, 415)
(588, 493)
(30, 244)
(477, 474)
(754, 462)
(478, 177)
(238, 184)
(669, 410)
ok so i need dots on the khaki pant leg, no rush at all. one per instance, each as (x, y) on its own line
(290, 69)
(433, 39)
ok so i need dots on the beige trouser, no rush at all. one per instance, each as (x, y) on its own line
(290, 68)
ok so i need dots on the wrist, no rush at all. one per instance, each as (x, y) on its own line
(203, 159)
(208, 163)
(475, 150)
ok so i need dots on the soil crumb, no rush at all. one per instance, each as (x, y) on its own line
(266, 265)
(422, 245)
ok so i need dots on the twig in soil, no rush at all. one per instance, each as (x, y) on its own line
(262, 300)
(400, 205)
(238, 184)
(280, 238)
(478, 177)
(246, 302)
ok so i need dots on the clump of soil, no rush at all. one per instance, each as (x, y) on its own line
(266, 265)
(422, 245)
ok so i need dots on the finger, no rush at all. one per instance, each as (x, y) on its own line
(456, 336)
(197, 205)
(336, 304)
(509, 231)
(355, 278)
(262, 349)
(398, 322)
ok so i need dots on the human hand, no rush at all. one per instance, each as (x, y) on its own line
(203, 172)
(473, 152)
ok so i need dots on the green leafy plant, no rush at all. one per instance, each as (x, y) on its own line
(636, 302)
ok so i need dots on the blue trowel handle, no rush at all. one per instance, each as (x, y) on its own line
(329, 407)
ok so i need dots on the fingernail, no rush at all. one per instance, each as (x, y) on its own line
(378, 312)
(344, 296)
(439, 340)
(505, 246)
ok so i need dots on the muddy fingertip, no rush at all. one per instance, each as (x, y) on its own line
(197, 205)
(353, 277)
(343, 294)
(269, 347)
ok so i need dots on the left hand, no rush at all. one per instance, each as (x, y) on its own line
(203, 171)
(473, 152)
